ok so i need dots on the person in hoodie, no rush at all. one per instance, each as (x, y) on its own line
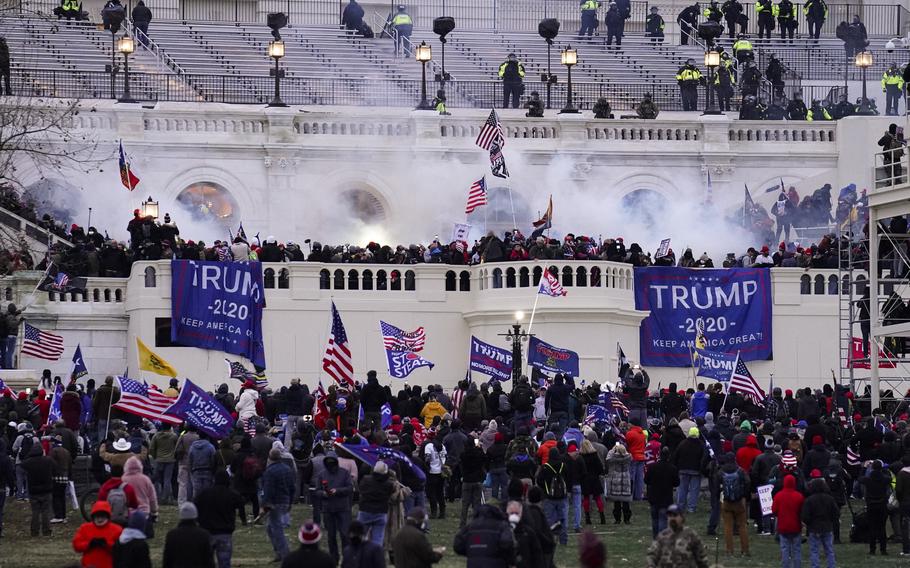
(473, 408)
(335, 487)
(661, 478)
(817, 457)
(146, 497)
(361, 552)
(734, 485)
(487, 540)
(787, 506)
(375, 493)
(876, 486)
(688, 459)
(698, 405)
(39, 471)
(819, 510)
(218, 507)
(188, 545)
(672, 404)
(95, 539)
(372, 397)
(201, 461)
(131, 550)
(225, 398)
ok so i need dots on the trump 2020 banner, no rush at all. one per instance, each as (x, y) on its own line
(714, 365)
(218, 305)
(551, 359)
(733, 304)
(490, 360)
(198, 408)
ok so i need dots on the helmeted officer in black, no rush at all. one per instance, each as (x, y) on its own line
(512, 73)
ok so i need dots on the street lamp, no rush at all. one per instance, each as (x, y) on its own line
(516, 335)
(150, 208)
(569, 58)
(712, 62)
(276, 52)
(864, 60)
(126, 46)
(423, 54)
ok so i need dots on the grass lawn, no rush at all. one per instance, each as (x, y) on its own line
(626, 544)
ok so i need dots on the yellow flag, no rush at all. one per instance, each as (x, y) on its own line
(149, 361)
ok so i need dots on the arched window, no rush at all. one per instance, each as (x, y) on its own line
(595, 277)
(268, 277)
(410, 283)
(567, 276)
(497, 278)
(284, 278)
(581, 276)
(151, 281)
(368, 279)
(805, 284)
(209, 202)
(510, 277)
(107, 295)
(819, 285)
(353, 280)
(450, 281)
(118, 295)
(464, 281)
(96, 295)
(396, 280)
(524, 277)
(382, 282)
(324, 279)
(538, 272)
(339, 280)
(832, 284)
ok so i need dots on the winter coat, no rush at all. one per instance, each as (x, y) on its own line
(375, 491)
(246, 405)
(131, 553)
(689, 455)
(787, 507)
(142, 486)
(412, 548)
(71, 409)
(97, 556)
(340, 481)
(487, 540)
(635, 440)
(39, 471)
(163, 446)
(188, 546)
(819, 509)
(218, 506)
(619, 480)
(310, 556)
(590, 484)
(365, 554)
(278, 485)
(661, 478)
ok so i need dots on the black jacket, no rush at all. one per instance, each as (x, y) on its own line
(689, 454)
(375, 492)
(661, 478)
(188, 546)
(308, 557)
(487, 540)
(473, 464)
(819, 508)
(363, 555)
(39, 470)
(218, 506)
(133, 554)
(876, 486)
(412, 549)
(298, 402)
(142, 15)
(373, 396)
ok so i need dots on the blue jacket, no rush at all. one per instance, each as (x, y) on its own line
(277, 485)
(699, 404)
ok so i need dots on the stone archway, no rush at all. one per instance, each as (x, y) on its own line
(209, 202)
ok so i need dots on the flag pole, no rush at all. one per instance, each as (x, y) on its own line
(694, 374)
(531, 326)
(512, 207)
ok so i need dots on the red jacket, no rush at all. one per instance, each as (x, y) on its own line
(131, 500)
(787, 506)
(99, 556)
(747, 454)
(543, 452)
(635, 442)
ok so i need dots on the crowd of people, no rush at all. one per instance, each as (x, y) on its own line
(523, 467)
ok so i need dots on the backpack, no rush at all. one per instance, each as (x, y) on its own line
(120, 510)
(733, 486)
(27, 442)
(556, 489)
(524, 398)
(504, 405)
(251, 468)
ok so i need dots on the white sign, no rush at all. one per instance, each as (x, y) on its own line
(765, 498)
(461, 231)
(663, 249)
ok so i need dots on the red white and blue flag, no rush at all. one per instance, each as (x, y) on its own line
(477, 196)
(396, 339)
(550, 285)
(137, 398)
(337, 361)
(127, 177)
(741, 380)
(41, 344)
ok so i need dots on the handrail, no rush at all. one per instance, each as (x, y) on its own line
(161, 56)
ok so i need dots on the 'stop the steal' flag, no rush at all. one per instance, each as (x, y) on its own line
(403, 363)
(218, 305)
(490, 360)
(201, 410)
(734, 305)
(551, 359)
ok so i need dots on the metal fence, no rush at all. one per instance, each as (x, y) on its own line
(249, 89)
(830, 64)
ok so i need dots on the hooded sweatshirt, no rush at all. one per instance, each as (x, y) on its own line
(142, 486)
(787, 507)
(747, 454)
(97, 557)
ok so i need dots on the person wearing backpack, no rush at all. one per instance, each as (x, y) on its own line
(734, 485)
(246, 469)
(22, 445)
(162, 452)
(473, 408)
(201, 460)
(552, 481)
(619, 483)
(121, 497)
(181, 454)
(522, 399)
(40, 472)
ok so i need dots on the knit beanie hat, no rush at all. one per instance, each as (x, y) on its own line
(188, 512)
(310, 533)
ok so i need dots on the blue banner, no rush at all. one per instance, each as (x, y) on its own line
(79, 368)
(551, 359)
(732, 304)
(718, 366)
(54, 413)
(372, 454)
(491, 361)
(403, 363)
(218, 305)
(385, 416)
(197, 407)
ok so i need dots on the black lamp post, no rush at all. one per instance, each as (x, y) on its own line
(126, 46)
(424, 54)
(864, 60)
(516, 335)
(712, 61)
(443, 26)
(276, 52)
(569, 58)
(548, 29)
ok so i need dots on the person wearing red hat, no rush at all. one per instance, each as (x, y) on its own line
(763, 260)
(787, 506)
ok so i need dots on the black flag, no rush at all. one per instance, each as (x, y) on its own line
(497, 161)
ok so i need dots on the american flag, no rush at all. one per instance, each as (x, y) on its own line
(61, 280)
(238, 371)
(491, 132)
(337, 359)
(845, 421)
(41, 344)
(137, 398)
(741, 380)
(852, 456)
(396, 339)
(597, 413)
(4, 389)
(550, 285)
(477, 196)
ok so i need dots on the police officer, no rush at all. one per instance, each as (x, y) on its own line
(776, 110)
(818, 112)
(403, 26)
(733, 10)
(712, 13)
(765, 11)
(534, 106)
(786, 18)
(843, 108)
(775, 74)
(688, 77)
(512, 73)
(816, 12)
(588, 18)
(654, 26)
(797, 110)
(615, 23)
(750, 80)
(751, 109)
(724, 79)
(70, 9)
(646, 108)
(688, 23)
(742, 49)
(439, 103)
(892, 86)
(602, 109)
